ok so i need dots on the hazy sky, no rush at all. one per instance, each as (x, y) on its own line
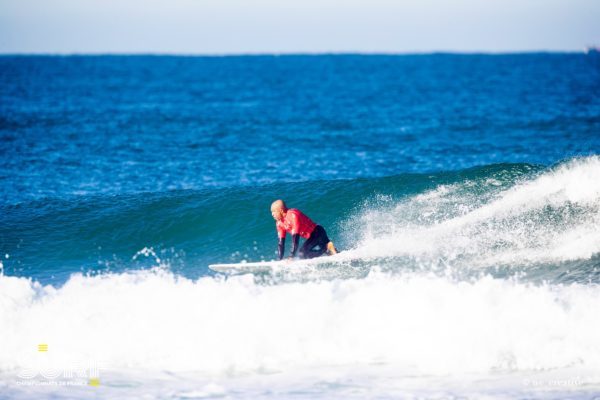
(283, 26)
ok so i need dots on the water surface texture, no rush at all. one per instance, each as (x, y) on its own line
(463, 189)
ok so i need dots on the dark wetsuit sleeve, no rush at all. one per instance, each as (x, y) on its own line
(295, 241)
(281, 247)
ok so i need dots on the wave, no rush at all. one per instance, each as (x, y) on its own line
(424, 324)
(499, 219)
(444, 283)
(550, 219)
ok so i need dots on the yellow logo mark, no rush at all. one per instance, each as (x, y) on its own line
(42, 347)
(94, 382)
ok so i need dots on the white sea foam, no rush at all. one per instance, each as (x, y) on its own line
(423, 324)
(552, 218)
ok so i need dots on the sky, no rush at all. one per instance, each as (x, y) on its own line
(290, 26)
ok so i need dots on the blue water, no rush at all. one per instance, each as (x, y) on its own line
(92, 145)
(467, 167)
(75, 126)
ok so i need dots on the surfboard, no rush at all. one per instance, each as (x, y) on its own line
(274, 265)
(253, 267)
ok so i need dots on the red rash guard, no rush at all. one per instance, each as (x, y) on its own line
(295, 222)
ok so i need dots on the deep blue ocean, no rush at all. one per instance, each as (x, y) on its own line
(457, 182)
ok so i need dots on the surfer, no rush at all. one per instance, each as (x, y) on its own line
(297, 224)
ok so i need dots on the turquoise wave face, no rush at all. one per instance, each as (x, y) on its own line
(502, 219)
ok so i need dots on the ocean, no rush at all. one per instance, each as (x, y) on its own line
(464, 190)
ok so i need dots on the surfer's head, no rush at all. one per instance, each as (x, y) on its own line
(278, 209)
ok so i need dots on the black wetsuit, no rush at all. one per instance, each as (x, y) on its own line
(316, 244)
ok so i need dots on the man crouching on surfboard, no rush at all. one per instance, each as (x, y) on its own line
(295, 222)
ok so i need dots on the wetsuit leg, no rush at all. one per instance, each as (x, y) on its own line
(316, 244)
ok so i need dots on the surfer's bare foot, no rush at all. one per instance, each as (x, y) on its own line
(331, 249)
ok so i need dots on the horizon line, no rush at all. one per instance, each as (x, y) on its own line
(291, 53)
